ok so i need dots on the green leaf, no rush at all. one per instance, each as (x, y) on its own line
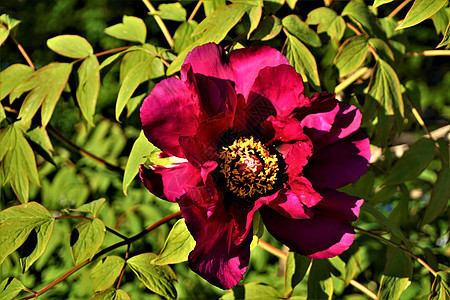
(301, 30)
(4, 33)
(352, 259)
(171, 11)
(328, 21)
(132, 80)
(320, 283)
(36, 242)
(91, 207)
(383, 221)
(381, 48)
(17, 222)
(10, 288)
(351, 55)
(384, 194)
(254, 14)
(359, 13)
(140, 149)
(269, 28)
(385, 88)
(396, 275)
(85, 239)
(19, 163)
(212, 5)
(7, 24)
(412, 163)
(296, 267)
(440, 289)
(73, 46)
(302, 60)
(291, 3)
(143, 53)
(11, 77)
(111, 294)
(439, 197)
(89, 87)
(106, 272)
(2, 117)
(177, 247)
(441, 20)
(446, 39)
(131, 29)
(377, 3)
(40, 142)
(45, 86)
(182, 37)
(420, 11)
(158, 279)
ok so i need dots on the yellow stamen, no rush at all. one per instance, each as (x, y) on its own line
(249, 168)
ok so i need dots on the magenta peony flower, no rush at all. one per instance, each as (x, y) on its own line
(252, 141)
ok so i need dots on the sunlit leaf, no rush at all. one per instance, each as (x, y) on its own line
(302, 60)
(171, 11)
(301, 30)
(45, 86)
(12, 76)
(441, 287)
(359, 12)
(351, 55)
(92, 207)
(252, 290)
(269, 28)
(130, 83)
(40, 143)
(396, 275)
(177, 247)
(111, 294)
(182, 37)
(328, 21)
(106, 272)
(158, 279)
(413, 162)
(439, 196)
(19, 163)
(73, 46)
(7, 23)
(320, 283)
(10, 288)
(296, 267)
(89, 87)
(131, 29)
(86, 238)
(212, 5)
(254, 14)
(291, 3)
(17, 222)
(446, 39)
(377, 3)
(420, 11)
(381, 48)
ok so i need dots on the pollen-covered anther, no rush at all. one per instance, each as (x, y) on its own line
(248, 167)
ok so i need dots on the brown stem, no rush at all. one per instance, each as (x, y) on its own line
(429, 53)
(398, 8)
(160, 23)
(59, 136)
(86, 218)
(22, 50)
(423, 263)
(123, 268)
(191, 17)
(128, 241)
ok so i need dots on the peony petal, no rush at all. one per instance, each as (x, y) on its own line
(209, 60)
(247, 63)
(290, 205)
(282, 86)
(340, 163)
(170, 111)
(215, 257)
(305, 192)
(296, 156)
(329, 120)
(172, 181)
(339, 205)
(318, 237)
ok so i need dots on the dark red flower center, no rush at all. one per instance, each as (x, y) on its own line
(248, 167)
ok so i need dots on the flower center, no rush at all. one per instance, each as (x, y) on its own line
(248, 167)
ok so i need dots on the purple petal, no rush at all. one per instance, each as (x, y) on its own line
(247, 63)
(215, 257)
(339, 205)
(290, 205)
(296, 156)
(340, 163)
(170, 111)
(172, 181)
(282, 86)
(318, 237)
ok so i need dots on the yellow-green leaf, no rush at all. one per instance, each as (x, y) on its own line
(73, 46)
(301, 30)
(89, 87)
(131, 29)
(106, 272)
(351, 55)
(420, 11)
(10, 288)
(328, 21)
(86, 238)
(320, 283)
(12, 76)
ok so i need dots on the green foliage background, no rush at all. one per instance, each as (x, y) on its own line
(70, 145)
